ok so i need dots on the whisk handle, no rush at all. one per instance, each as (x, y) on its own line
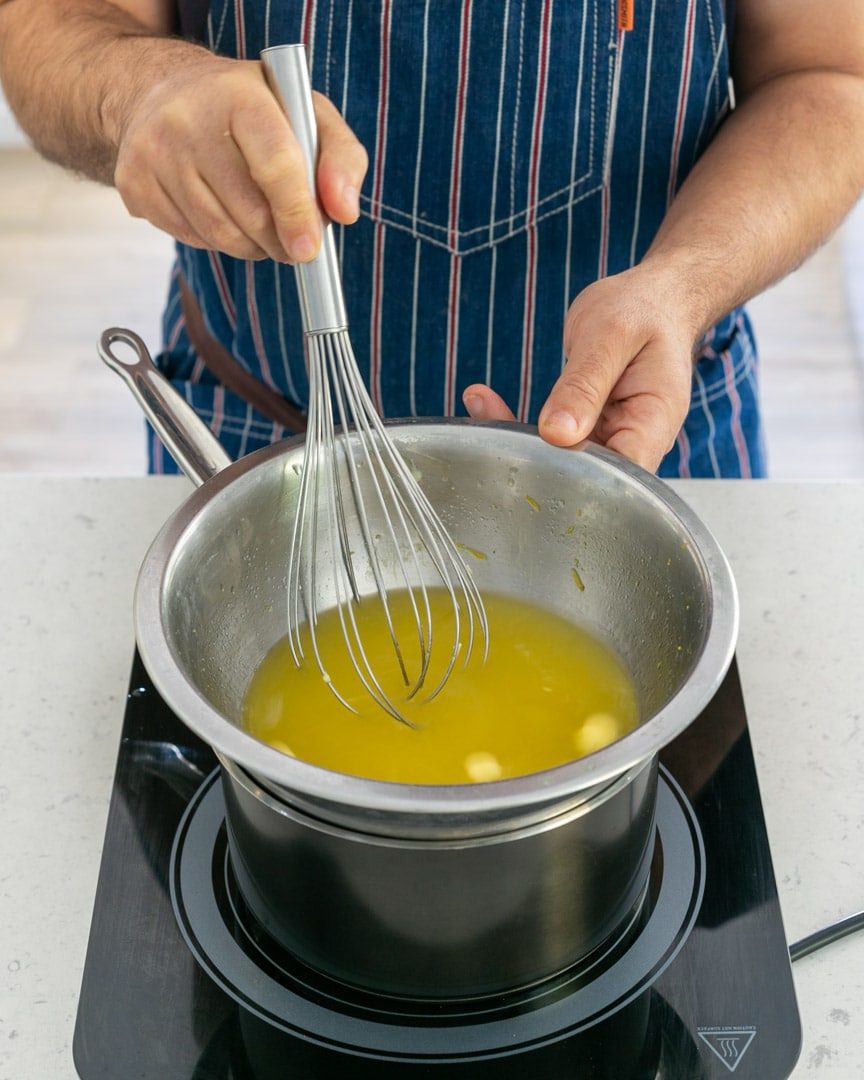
(319, 283)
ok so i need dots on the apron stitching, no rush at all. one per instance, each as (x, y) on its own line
(577, 110)
(499, 120)
(715, 48)
(348, 26)
(493, 267)
(645, 100)
(485, 244)
(537, 125)
(612, 111)
(412, 372)
(215, 44)
(267, 25)
(593, 110)
(616, 42)
(453, 315)
(422, 117)
(376, 205)
(712, 85)
(516, 112)
(380, 236)
(328, 59)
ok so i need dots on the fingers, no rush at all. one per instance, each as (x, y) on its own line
(276, 166)
(208, 217)
(209, 156)
(342, 164)
(648, 405)
(483, 403)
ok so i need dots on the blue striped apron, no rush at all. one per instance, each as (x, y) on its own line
(518, 152)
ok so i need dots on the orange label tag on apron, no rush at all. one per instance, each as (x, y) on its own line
(625, 14)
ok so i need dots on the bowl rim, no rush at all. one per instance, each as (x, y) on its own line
(381, 796)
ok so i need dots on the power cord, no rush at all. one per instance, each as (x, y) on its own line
(826, 936)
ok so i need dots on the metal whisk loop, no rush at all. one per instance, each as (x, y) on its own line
(394, 518)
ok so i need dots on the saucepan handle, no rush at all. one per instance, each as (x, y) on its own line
(190, 442)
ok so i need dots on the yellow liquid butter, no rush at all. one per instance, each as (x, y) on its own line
(548, 693)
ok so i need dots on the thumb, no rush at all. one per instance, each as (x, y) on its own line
(577, 398)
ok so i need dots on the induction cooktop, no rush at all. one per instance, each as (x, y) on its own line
(181, 983)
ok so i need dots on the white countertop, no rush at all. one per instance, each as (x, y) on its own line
(69, 553)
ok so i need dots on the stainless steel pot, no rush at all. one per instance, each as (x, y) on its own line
(449, 890)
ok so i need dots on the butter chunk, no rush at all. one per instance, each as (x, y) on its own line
(483, 767)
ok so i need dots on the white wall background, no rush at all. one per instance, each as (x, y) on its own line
(10, 133)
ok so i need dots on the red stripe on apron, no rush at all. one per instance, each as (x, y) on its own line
(683, 453)
(735, 402)
(240, 29)
(222, 288)
(309, 29)
(378, 252)
(255, 325)
(605, 195)
(218, 409)
(176, 330)
(683, 93)
(533, 181)
(453, 233)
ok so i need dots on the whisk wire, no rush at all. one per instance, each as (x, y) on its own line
(383, 483)
(407, 541)
(334, 344)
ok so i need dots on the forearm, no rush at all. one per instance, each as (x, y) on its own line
(71, 70)
(778, 178)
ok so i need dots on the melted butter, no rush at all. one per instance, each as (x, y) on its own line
(548, 693)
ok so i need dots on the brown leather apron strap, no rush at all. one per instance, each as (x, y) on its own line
(219, 361)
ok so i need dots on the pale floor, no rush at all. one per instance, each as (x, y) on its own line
(73, 263)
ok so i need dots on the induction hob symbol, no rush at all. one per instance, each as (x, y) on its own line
(728, 1044)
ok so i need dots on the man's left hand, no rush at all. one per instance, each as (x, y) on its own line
(629, 343)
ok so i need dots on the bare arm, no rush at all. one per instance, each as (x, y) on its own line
(787, 165)
(195, 143)
(781, 173)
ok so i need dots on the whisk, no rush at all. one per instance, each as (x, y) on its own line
(361, 472)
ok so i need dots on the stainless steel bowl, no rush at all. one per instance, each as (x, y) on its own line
(446, 890)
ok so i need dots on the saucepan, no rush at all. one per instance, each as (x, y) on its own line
(418, 890)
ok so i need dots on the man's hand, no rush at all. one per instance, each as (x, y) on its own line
(195, 143)
(207, 155)
(626, 383)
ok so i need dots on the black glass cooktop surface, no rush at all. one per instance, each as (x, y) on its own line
(180, 983)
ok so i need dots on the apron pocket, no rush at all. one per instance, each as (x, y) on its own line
(484, 124)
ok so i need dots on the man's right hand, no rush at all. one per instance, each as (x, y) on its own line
(208, 155)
